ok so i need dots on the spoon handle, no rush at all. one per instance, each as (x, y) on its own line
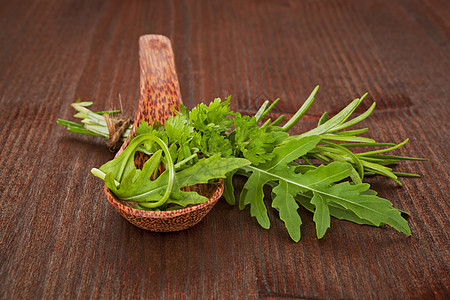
(159, 87)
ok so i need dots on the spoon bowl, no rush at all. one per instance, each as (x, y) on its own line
(159, 94)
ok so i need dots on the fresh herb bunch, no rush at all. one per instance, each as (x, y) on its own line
(211, 142)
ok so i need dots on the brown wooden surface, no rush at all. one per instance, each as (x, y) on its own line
(59, 237)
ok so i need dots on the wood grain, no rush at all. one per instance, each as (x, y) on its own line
(59, 237)
(160, 90)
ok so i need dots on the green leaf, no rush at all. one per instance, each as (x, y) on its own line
(213, 117)
(178, 129)
(321, 214)
(335, 121)
(137, 185)
(266, 111)
(124, 163)
(323, 119)
(374, 209)
(255, 143)
(362, 194)
(228, 191)
(290, 151)
(344, 138)
(211, 143)
(184, 199)
(319, 181)
(253, 194)
(129, 181)
(325, 175)
(358, 119)
(206, 169)
(260, 112)
(302, 111)
(336, 210)
(287, 207)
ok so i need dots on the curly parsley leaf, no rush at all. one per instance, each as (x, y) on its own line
(214, 117)
(253, 142)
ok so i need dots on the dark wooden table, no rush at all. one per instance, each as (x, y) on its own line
(59, 237)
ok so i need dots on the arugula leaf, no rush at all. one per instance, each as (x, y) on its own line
(184, 198)
(228, 190)
(358, 204)
(287, 207)
(124, 163)
(311, 181)
(254, 188)
(290, 151)
(137, 185)
(214, 167)
(336, 210)
(321, 214)
(335, 121)
(277, 170)
(374, 209)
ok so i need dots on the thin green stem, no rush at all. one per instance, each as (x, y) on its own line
(259, 113)
(384, 150)
(270, 108)
(356, 161)
(98, 173)
(302, 111)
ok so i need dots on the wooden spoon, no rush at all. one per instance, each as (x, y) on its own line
(160, 92)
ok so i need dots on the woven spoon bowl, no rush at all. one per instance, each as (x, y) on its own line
(159, 92)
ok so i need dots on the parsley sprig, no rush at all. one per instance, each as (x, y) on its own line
(318, 169)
